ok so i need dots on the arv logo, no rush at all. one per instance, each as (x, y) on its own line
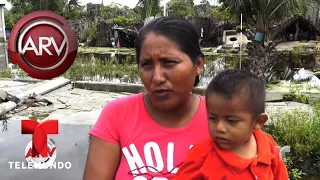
(30, 45)
(43, 44)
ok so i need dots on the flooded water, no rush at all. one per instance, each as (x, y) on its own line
(122, 68)
(71, 147)
(4, 57)
(115, 67)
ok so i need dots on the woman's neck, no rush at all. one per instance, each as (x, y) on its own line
(177, 117)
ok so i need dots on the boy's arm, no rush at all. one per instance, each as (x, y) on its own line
(192, 165)
(279, 168)
(190, 170)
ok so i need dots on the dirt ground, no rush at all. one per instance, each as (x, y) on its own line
(79, 106)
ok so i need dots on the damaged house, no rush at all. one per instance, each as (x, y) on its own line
(296, 28)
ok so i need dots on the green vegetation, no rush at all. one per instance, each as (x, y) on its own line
(223, 14)
(6, 73)
(295, 92)
(208, 52)
(104, 50)
(38, 116)
(244, 27)
(301, 131)
(111, 67)
(89, 33)
(123, 21)
(84, 69)
(119, 14)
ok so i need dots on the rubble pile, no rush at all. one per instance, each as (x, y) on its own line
(33, 100)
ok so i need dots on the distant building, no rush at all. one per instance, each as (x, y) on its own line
(2, 24)
(295, 28)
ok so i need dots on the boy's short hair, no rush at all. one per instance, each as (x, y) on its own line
(232, 82)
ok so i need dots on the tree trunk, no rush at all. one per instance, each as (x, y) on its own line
(261, 59)
(297, 31)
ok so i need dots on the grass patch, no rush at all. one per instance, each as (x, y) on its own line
(287, 86)
(38, 116)
(104, 50)
(298, 92)
(125, 69)
(101, 70)
(6, 73)
(131, 51)
(300, 130)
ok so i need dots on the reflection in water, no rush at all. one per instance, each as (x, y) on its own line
(211, 69)
(85, 70)
(4, 125)
(4, 58)
(89, 136)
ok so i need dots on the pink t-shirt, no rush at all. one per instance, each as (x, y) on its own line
(149, 151)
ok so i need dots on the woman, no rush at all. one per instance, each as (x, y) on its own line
(147, 135)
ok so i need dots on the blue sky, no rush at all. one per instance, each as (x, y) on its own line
(129, 3)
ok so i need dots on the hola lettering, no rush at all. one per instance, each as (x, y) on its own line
(151, 148)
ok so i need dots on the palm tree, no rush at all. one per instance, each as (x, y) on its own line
(148, 8)
(261, 16)
(27, 6)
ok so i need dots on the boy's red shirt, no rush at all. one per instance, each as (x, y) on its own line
(207, 161)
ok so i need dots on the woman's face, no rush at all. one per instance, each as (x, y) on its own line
(167, 73)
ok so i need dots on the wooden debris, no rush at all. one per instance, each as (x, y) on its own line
(31, 98)
(5, 97)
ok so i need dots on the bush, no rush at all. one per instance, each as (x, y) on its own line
(89, 33)
(123, 21)
(296, 96)
(301, 131)
(244, 27)
(6, 73)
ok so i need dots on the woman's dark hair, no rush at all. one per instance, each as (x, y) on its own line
(176, 29)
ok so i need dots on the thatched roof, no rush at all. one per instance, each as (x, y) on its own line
(288, 27)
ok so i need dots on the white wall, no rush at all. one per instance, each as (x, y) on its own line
(2, 24)
(226, 38)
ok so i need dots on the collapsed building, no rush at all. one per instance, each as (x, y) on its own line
(296, 28)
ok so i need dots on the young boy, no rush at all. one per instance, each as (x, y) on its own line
(238, 148)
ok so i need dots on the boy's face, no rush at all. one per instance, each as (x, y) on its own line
(231, 124)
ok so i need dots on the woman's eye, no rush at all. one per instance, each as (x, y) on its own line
(170, 62)
(146, 64)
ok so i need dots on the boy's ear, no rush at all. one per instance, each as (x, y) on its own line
(260, 121)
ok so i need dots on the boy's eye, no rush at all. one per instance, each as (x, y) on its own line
(212, 118)
(170, 61)
(232, 121)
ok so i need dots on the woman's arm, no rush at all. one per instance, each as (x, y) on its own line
(104, 150)
(102, 161)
